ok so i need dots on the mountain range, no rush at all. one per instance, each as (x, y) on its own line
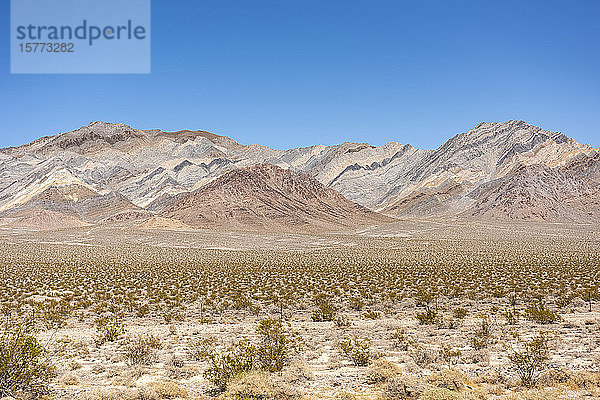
(111, 172)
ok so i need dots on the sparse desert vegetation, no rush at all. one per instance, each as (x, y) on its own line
(437, 315)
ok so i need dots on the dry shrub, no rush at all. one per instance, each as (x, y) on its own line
(142, 350)
(70, 380)
(345, 396)
(115, 394)
(541, 394)
(382, 370)
(423, 356)
(554, 377)
(251, 385)
(452, 379)
(584, 380)
(490, 378)
(166, 389)
(257, 385)
(185, 372)
(440, 394)
(297, 372)
(477, 394)
(403, 387)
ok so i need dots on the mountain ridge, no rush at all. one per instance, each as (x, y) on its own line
(150, 168)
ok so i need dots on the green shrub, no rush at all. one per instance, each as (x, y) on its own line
(372, 315)
(277, 345)
(531, 360)
(109, 329)
(356, 303)
(237, 359)
(460, 313)
(450, 355)
(357, 350)
(275, 349)
(342, 321)
(201, 349)
(429, 317)
(400, 341)
(24, 366)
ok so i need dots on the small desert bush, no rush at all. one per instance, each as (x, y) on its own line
(429, 317)
(109, 329)
(452, 379)
(400, 340)
(342, 321)
(239, 358)
(423, 356)
(403, 387)
(460, 313)
(539, 312)
(24, 366)
(531, 359)
(277, 345)
(372, 315)
(325, 312)
(450, 355)
(201, 349)
(275, 349)
(382, 370)
(357, 350)
(483, 334)
(142, 350)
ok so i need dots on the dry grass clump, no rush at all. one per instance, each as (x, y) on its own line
(382, 370)
(440, 394)
(404, 387)
(257, 385)
(141, 350)
(167, 389)
(345, 396)
(297, 372)
(452, 379)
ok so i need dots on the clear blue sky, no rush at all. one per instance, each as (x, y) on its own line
(300, 72)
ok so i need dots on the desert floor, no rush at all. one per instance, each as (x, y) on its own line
(447, 304)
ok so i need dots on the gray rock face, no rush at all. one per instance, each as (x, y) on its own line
(132, 172)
